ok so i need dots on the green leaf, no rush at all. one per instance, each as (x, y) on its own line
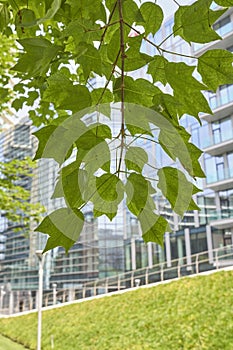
(224, 3)
(101, 98)
(96, 157)
(215, 67)
(168, 106)
(179, 76)
(153, 227)
(105, 192)
(39, 54)
(194, 22)
(55, 6)
(32, 96)
(139, 91)
(25, 18)
(136, 121)
(136, 158)
(4, 16)
(175, 142)
(65, 95)
(157, 69)
(70, 185)
(94, 135)
(134, 58)
(177, 189)
(85, 9)
(153, 17)
(63, 226)
(43, 136)
(138, 191)
(89, 58)
(110, 188)
(50, 145)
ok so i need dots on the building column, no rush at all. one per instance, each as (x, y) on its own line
(168, 249)
(209, 244)
(187, 246)
(11, 303)
(180, 249)
(150, 256)
(133, 254)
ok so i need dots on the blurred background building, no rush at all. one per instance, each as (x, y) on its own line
(108, 248)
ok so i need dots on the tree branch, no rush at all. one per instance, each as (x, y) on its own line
(158, 46)
(110, 77)
(122, 50)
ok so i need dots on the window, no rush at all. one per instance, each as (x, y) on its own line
(230, 163)
(223, 26)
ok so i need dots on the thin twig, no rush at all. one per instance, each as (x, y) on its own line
(109, 20)
(158, 47)
(176, 2)
(101, 28)
(109, 79)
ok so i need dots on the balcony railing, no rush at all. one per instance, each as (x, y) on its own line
(222, 97)
(224, 174)
(16, 301)
(216, 140)
(222, 30)
(221, 214)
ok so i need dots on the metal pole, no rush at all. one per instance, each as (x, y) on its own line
(54, 293)
(1, 298)
(40, 257)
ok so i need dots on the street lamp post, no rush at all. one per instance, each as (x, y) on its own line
(2, 292)
(54, 293)
(41, 258)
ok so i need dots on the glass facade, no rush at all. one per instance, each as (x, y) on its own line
(108, 248)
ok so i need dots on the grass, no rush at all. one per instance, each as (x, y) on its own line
(193, 313)
(7, 344)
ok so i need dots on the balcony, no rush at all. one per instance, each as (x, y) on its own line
(224, 28)
(219, 144)
(221, 104)
(220, 181)
(222, 219)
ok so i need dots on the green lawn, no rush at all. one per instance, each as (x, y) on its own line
(193, 313)
(7, 344)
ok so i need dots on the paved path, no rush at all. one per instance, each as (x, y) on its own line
(7, 344)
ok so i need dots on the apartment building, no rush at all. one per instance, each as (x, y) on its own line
(108, 248)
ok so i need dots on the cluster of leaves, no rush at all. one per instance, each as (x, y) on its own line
(8, 51)
(15, 197)
(64, 45)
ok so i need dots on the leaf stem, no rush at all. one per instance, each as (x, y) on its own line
(110, 77)
(109, 20)
(158, 46)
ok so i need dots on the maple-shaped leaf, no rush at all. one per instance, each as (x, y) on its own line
(153, 227)
(136, 158)
(177, 189)
(215, 67)
(194, 22)
(139, 91)
(39, 52)
(138, 191)
(157, 69)
(65, 95)
(64, 226)
(224, 3)
(153, 17)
